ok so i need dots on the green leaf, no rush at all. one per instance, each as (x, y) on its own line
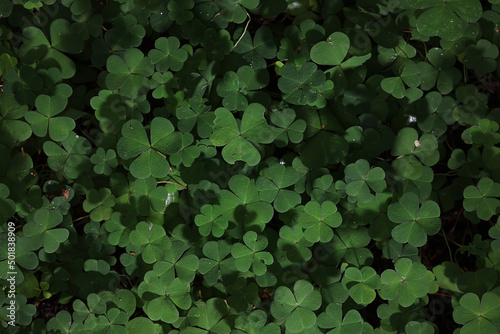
(211, 221)
(130, 73)
(318, 221)
(481, 199)
(42, 232)
(405, 284)
(332, 318)
(237, 139)
(296, 307)
(331, 52)
(151, 155)
(360, 179)
(153, 240)
(447, 19)
(361, 284)
(99, 203)
(167, 55)
(251, 254)
(415, 221)
(478, 316)
(44, 121)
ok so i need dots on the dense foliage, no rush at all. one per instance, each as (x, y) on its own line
(250, 166)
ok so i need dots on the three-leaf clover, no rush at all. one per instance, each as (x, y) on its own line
(237, 139)
(243, 205)
(302, 86)
(415, 221)
(178, 263)
(481, 199)
(151, 160)
(318, 220)
(446, 19)
(104, 161)
(352, 322)
(361, 284)
(360, 178)
(289, 128)
(296, 308)
(211, 221)
(171, 294)
(210, 316)
(251, 254)
(478, 315)
(99, 203)
(130, 73)
(168, 55)
(272, 186)
(216, 266)
(42, 232)
(405, 283)
(43, 120)
(152, 240)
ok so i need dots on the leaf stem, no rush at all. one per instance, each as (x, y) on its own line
(81, 218)
(170, 182)
(244, 31)
(447, 245)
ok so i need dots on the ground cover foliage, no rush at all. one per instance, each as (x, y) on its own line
(251, 166)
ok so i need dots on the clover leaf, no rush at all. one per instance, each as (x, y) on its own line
(303, 86)
(408, 147)
(177, 263)
(257, 50)
(481, 57)
(43, 120)
(151, 154)
(235, 11)
(210, 315)
(71, 157)
(331, 52)
(167, 55)
(13, 129)
(405, 283)
(289, 129)
(196, 114)
(251, 254)
(104, 161)
(415, 221)
(99, 203)
(130, 73)
(352, 322)
(187, 153)
(446, 19)
(360, 179)
(361, 284)
(272, 186)
(153, 241)
(478, 315)
(211, 220)
(255, 323)
(65, 38)
(126, 33)
(172, 294)
(293, 243)
(42, 232)
(318, 221)
(243, 205)
(296, 307)
(237, 139)
(481, 198)
(179, 11)
(216, 265)
(232, 89)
